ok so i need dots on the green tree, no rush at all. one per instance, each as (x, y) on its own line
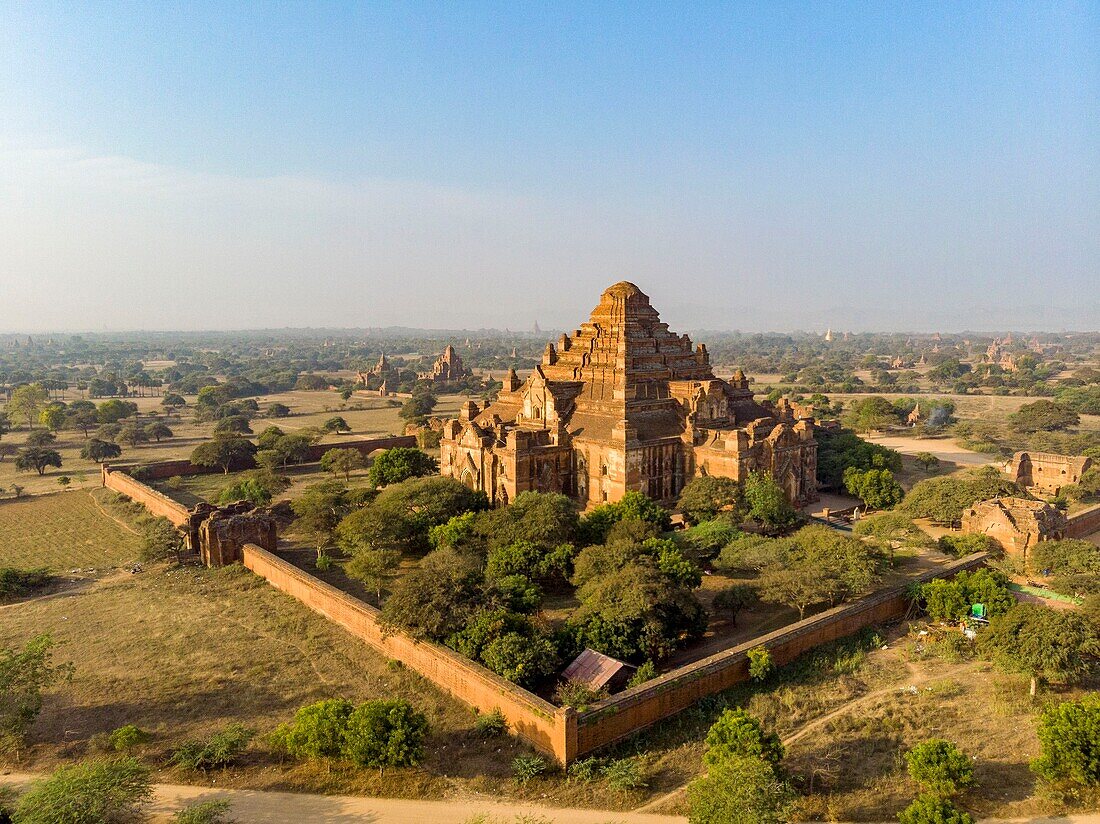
(707, 496)
(733, 599)
(736, 734)
(1070, 736)
(385, 733)
(158, 430)
(91, 792)
(1052, 645)
(1043, 416)
(133, 434)
(342, 462)
(933, 809)
(393, 466)
(114, 410)
(24, 674)
(940, 767)
(317, 730)
(760, 663)
(869, 414)
(127, 738)
(767, 503)
(53, 416)
(740, 791)
(269, 437)
(225, 452)
(173, 402)
(5, 424)
(876, 487)
(418, 407)
(373, 567)
(161, 539)
(817, 565)
(233, 424)
(39, 439)
(950, 599)
(38, 459)
(99, 451)
(278, 410)
(319, 510)
(336, 424)
(944, 499)
(436, 599)
(27, 401)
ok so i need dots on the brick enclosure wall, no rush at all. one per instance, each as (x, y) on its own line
(640, 707)
(156, 502)
(1084, 523)
(365, 446)
(546, 727)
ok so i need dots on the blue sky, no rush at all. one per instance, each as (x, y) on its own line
(751, 166)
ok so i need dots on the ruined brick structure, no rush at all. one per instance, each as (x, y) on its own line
(625, 404)
(1045, 473)
(226, 529)
(1015, 523)
(447, 367)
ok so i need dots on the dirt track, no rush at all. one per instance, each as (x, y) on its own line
(261, 807)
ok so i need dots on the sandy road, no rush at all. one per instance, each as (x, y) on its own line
(264, 807)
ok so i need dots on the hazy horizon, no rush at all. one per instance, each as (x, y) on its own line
(757, 168)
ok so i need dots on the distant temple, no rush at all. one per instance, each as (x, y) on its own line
(625, 404)
(447, 367)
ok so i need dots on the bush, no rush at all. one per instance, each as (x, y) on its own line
(126, 738)
(526, 767)
(740, 790)
(385, 733)
(204, 812)
(1070, 738)
(940, 767)
(932, 809)
(491, 724)
(220, 750)
(90, 792)
(760, 663)
(626, 774)
(950, 600)
(317, 730)
(963, 545)
(646, 672)
(578, 695)
(18, 582)
(736, 734)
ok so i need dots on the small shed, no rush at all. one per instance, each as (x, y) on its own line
(598, 671)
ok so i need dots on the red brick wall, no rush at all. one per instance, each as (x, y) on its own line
(635, 709)
(1084, 523)
(541, 723)
(562, 733)
(156, 502)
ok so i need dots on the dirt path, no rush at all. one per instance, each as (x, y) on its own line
(262, 807)
(107, 514)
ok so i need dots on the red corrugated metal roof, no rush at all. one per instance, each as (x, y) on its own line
(593, 669)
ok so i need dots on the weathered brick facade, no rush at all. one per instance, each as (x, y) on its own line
(624, 404)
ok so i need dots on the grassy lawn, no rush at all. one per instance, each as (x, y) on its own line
(63, 531)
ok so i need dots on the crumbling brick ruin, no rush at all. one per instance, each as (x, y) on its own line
(1045, 473)
(226, 529)
(1015, 523)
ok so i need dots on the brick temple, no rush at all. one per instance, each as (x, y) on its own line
(625, 404)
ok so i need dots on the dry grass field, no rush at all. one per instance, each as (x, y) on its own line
(64, 531)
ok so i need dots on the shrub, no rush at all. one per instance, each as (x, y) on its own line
(87, 793)
(204, 812)
(736, 734)
(317, 730)
(962, 545)
(587, 769)
(578, 695)
(1070, 738)
(491, 724)
(385, 733)
(126, 738)
(220, 750)
(950, 600)
(24, 673)
(740, 790)
(526, 767)
(760, 663)
(17, 582)
(932, 809)
(626, 774)
(646, 672)
(940, 767)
